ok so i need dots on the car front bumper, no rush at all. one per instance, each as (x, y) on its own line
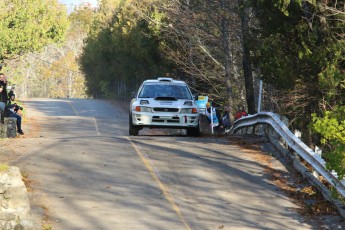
(165, 120)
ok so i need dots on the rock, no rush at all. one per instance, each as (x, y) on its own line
(15, 210)
(11, 123)
(9, 128)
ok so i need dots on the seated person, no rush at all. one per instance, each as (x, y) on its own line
(12, 111)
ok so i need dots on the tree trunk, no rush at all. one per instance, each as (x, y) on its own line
(247, 66)
(70, 83)
(229, 78)
(228, 70)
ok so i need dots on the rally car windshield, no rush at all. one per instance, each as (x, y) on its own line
(177, 91)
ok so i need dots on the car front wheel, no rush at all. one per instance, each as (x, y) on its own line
(194, 132)
(133, 130)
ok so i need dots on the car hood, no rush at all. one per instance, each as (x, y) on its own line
(165, 102)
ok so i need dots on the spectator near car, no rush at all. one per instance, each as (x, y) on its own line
(226, 117)
(213, 116)
(240, 112)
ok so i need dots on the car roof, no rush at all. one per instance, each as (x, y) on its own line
(164, 80)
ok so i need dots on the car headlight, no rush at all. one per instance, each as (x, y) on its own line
(189, 110)
(143, 109)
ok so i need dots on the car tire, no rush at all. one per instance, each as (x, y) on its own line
(193, 132)
(133, 130)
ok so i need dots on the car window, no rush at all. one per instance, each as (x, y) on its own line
(165, 90)
(147, 91)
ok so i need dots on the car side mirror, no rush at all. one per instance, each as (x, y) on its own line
(196, 97)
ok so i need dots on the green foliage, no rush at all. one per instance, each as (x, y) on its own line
(298, 45)
(81, 19)
(300, 49)
(331, 127)
(301, 53)
(120, 53)
(54, 71)
(336, 158)
(28, 26)
(332, 78)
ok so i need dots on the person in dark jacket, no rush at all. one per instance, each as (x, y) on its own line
(3, 96)
(12, 111)
(226, 117)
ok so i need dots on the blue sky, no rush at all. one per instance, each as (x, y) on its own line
(71, 3)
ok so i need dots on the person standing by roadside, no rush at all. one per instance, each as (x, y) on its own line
(213, 117)
(226, 117)
(240, 112)
(3, 96)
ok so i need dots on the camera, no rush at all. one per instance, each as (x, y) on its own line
(17, 107)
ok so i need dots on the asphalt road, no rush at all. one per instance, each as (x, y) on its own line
(85, 172)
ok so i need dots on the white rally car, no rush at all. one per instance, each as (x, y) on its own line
(164, 103)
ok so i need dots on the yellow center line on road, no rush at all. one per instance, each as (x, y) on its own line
(162, 186)
(96, 126)
(93, 118)
(74, 110)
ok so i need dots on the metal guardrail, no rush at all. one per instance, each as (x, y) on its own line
(293, 142)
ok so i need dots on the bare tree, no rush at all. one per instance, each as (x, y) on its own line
(204, 39)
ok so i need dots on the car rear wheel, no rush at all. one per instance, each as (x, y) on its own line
(133, 130)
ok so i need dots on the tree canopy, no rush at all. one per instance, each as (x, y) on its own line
(53, 70)
(121, 51)
(300, 49)
(28, 26)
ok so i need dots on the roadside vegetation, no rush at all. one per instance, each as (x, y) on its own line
(222, 48)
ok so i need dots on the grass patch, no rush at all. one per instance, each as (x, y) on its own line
(4, 167)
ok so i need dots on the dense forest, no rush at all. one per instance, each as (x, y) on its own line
(222, 48)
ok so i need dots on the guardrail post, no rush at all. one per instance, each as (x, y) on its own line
(334, 173)
(260, 97)
(298, 134)
(318, 151)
